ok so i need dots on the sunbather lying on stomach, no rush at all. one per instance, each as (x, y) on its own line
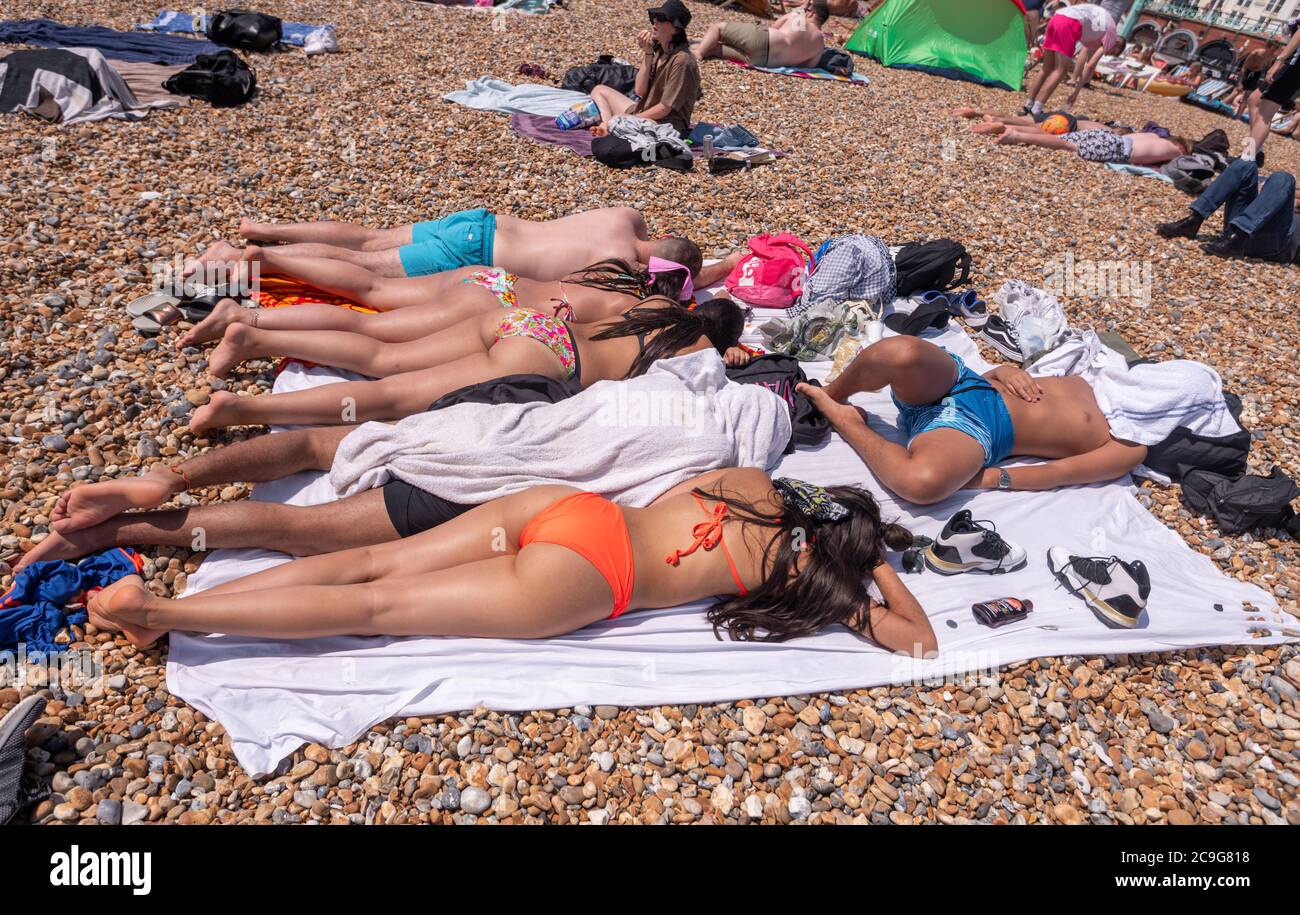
(960, 425)
(788, 558)
(547, 250)
(414, 374)
(1101, 144)
(417, 306)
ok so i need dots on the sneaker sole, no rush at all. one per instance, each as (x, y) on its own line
(1003, 348)
(1111, 617)
(975, 321)
(957, 568)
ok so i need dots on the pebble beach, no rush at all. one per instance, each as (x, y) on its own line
(87, 213)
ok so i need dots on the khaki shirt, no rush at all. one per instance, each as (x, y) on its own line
(675, 82)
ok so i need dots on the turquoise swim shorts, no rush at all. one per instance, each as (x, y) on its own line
(460, 240)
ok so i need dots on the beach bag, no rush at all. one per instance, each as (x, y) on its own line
(617, 152)
(605, 71)
(510, 389)
(1215, 145)
(773, 273)
(1242, 504)
(780, 373)
(1184, 451)
(1191, 174)
(222, 79)
(942, 264)
(837, 62)
(245, 30)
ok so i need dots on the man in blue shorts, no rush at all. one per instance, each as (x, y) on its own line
(959, 425)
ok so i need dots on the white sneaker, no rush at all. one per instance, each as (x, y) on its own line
(1116, 591)
(967, 545)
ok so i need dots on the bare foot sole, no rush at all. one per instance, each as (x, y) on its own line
(209, 416)
(121, 607)
(255, 231)
(72, 545)
(227, 312)
(230, 352)
(219, 252)
(989, 127)
(88, 505)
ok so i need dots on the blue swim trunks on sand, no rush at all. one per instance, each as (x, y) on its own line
(460, 240)
(972, 406)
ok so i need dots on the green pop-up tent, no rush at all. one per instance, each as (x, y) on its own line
(978, 40)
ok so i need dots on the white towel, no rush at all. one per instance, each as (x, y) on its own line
(1147, 402)
(488, 94)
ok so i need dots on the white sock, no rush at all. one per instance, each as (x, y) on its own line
(1037, 108)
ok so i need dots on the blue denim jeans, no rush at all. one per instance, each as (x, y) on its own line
(1265, 214)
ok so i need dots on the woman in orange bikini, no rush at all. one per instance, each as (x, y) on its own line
(790, 558)
(407, 311)
(411, 376)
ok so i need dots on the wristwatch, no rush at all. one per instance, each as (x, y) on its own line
(1004, 479)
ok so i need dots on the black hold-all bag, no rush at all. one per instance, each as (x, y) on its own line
(1184, 451)
(245, 30)
(510, 389)
(942, 264)
(222, 79)
(779, 373)
(604, 72)
(837, 62)
(1244, 503)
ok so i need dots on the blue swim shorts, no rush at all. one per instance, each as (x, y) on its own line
(459, 240)
(972, 406)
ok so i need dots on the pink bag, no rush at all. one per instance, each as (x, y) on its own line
(772, 275)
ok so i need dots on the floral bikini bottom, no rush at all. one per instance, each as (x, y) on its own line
(498, 282)
(550, 332)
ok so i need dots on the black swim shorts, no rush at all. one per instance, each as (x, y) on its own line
(412, 510)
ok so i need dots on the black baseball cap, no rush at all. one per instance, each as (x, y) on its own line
(674, 11)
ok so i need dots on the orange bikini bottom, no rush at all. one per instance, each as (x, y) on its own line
(593, 527)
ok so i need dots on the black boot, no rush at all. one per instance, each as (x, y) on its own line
(1187, 227)
(1230, 244)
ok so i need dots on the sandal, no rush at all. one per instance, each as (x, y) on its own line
(147, 303)
(155, 319)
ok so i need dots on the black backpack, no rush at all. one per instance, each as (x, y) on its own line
(837, 62)
(1244, 503)
(617, 152)
(1184, 451)
(245, 30)
(779, 373)
(604, 72)
(222, 79)
(932, 265)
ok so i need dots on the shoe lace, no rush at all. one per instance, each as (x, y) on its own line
(993, 538)
(1094, 568)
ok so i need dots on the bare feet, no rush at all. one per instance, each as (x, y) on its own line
(965, 113)
(256, 231)
(227, 312)
(839, 414)
(212, 414)
(221, 252)
(90, 504)
(1006, 138)
(123, 606)
(989, 126)
(233, 349)
(72, 545)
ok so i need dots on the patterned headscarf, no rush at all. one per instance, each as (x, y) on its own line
(814, 501)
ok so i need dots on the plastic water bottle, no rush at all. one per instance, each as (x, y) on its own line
(583, 114)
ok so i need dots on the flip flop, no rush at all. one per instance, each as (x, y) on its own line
(147, 303)
(158, 317)
(13, 753)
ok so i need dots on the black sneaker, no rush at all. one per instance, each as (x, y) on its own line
(967, 545)
(1187, 227)
(1003, 338)
(16, 790)
(1116, 591)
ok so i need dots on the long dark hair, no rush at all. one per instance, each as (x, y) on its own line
(673, 327)
(616, 275)
(831, 581)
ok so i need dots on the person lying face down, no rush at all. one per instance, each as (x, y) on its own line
(668, 82)
(794, 40)
(787, 557)
(413, 375)
(539, 250)
(1101, 144)
(629, 440)
(1005, 412)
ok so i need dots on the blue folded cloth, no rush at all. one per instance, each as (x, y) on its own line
(154, 49)
(35, 608)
